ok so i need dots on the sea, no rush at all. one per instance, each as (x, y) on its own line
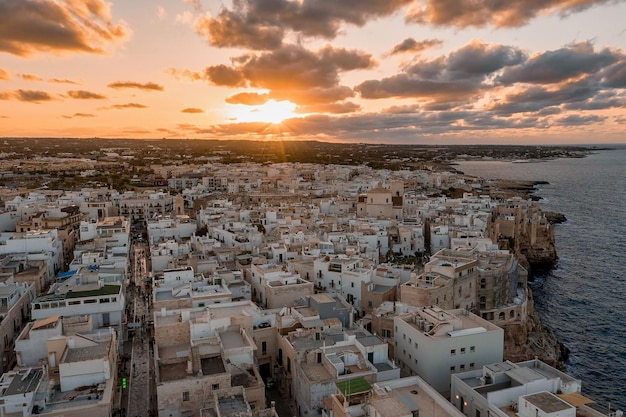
(583, 299)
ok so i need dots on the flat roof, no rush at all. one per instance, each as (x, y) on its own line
(87, 353)
(547, 402)
(353, 386)
(24, 382)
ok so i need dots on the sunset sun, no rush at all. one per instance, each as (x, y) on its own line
(271, 112)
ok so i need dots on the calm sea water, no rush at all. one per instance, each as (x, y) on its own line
(584, 299)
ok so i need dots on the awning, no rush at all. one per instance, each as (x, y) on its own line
(44, 322)
(576, 399)
(67, 274)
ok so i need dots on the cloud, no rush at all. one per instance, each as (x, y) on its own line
(410, 45)
(460, 75)
(5, 95)
(197, 5)
(125, 106)
(32, 96)
(161, 14)
(465, 13)
(560, 65)
(85, 95)
(294, 67)
(79, 115)
(614, 76)
(192, 110)
(249, 99)
(4, 75)
(149, 86)
(579, 120)
(600, 101)
(335, 108)
(404, 109)
(262, 25)
(187, 126)
(30, 77)
(224, 75)
(61, 81)
(230, 29)
(185, 17)
(535, 98)
(315, 95)
(28, 27)
(292, 72)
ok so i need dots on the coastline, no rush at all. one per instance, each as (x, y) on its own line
(531, 339)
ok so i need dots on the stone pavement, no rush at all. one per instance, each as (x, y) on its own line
(140, 382)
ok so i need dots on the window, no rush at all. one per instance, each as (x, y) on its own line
(264, 347)
(215, 387)
(471, 365)
(386, 333)
(462, 367)
(410, 340)
(452, 369)
(463, 351)
(352, 284)
(185, 395)
(483, 283)
(415, 345)
(452, 352)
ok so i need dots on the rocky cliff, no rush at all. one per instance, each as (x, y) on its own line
(533, 340)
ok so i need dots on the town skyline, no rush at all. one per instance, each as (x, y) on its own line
(396, 72)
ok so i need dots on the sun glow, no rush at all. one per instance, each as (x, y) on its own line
(271, 112)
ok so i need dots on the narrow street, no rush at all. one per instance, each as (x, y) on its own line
(140, 385)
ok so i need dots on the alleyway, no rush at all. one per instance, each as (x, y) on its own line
(140, 383)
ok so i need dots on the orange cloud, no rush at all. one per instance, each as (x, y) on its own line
(149, 86)
(249, 99)
(32, 96)
(125, 106)
(4, 75)
(79, 115)
(85, 95)
(34, 26)
(335, 108)
(30, 77)
(61, 81)
(192, 110)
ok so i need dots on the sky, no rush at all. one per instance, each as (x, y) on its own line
(375, 71)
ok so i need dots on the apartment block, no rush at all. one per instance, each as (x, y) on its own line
(15, 300)
(435, 343)
(402, 397)
(525, 389)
